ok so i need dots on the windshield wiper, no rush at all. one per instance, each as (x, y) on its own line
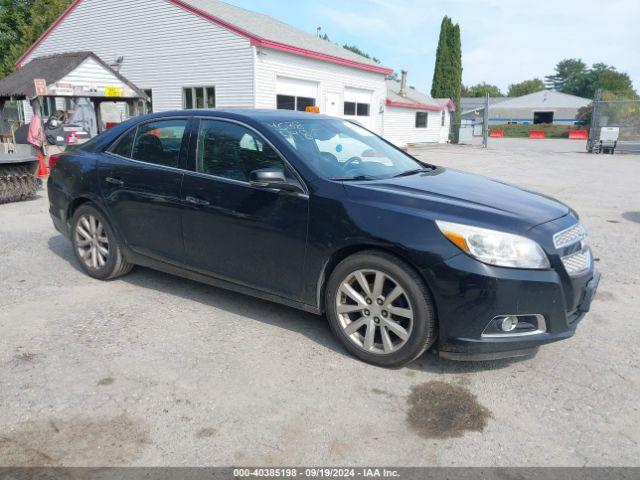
(413, 172)
(357, 178)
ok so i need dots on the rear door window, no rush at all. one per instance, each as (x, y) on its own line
(159, 142)
(124, 145)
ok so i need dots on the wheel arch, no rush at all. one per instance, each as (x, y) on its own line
(350, 250)
(83, 199)
(75, 204)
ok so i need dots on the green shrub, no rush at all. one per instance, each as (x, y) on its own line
(522, 130)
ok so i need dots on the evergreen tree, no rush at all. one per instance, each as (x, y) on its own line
(447, 75)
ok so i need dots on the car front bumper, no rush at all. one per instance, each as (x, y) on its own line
(469, 295)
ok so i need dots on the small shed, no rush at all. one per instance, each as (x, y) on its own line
(413, 117)
(71, 75)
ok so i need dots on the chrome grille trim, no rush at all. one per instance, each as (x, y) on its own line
(569, 236)
(578, 263)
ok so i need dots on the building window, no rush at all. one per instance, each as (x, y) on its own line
(289, 102)
(422, 119)
(357, 109)
(48, 107)
(149, 104)
(362, 109)
(198, 97)
(444, 117)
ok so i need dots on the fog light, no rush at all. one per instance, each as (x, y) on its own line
(508, 324)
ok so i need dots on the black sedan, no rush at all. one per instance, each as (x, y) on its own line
(323, 215)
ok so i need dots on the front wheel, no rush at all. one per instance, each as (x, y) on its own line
(380, 309)
(96, 246)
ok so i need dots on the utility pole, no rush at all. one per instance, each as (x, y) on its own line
(485, 122)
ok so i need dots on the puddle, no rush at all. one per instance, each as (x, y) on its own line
(441, 410)
(632, 216)
(105, 382)
(80, 441)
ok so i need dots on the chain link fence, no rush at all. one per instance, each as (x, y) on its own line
(615, 122)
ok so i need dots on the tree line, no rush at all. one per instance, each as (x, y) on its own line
(21, 24)
(571, 76)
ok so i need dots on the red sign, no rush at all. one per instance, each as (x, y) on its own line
(41, 87)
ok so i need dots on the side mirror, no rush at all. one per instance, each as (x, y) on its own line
(272, 178)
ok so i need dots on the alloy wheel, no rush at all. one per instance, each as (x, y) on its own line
(92, 242)
(374, 311)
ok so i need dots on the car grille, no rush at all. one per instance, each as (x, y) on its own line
(577, 263)
(569, 236)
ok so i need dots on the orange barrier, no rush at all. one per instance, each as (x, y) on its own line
(496, 133)
(43, 171)
(578, 135)
(536, 134)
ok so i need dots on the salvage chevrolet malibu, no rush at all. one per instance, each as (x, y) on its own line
(323, 215)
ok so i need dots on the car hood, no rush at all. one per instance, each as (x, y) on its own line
(453, 195)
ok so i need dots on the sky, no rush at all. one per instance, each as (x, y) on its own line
(503, 41)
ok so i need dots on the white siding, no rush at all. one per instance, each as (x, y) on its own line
(91, 72)
(331, 78)
(400, 127)
(164, 48)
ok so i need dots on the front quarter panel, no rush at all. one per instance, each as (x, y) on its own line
(338, 224)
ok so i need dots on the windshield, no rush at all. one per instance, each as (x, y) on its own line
(341, 150)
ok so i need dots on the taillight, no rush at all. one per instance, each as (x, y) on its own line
(53, 159)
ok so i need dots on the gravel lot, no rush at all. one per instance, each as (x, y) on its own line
(155, 370)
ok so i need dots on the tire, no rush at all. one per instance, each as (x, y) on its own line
(412, 310)
(97, 235)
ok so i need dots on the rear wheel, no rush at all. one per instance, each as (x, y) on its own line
(380, 309)
(95, 245)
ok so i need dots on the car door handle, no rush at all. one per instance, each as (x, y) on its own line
(197, 201)
(115, 181)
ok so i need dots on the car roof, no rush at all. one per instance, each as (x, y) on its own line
(259, 115)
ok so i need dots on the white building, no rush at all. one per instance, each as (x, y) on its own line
(412, 117)
(206, 54)
(546, 106)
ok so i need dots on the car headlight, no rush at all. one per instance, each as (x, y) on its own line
(494, 247)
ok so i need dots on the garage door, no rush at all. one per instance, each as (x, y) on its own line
(295, 94)
(357, 105)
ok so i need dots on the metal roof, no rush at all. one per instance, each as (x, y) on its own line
(51, 68)
(413, 98)
(542, 100)
(266, 30)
